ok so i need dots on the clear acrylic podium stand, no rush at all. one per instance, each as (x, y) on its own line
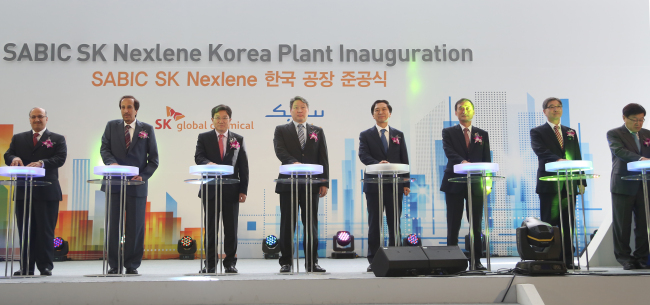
(480, 172)
(211, 174)
(570, 171)
(295, 171)
(643, 167)
(388, 172)
(19, 176)
(117, 175)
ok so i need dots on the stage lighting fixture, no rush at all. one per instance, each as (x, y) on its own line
(60, 249)
(412, 240)
(343, 245)
(186, 248)
(270, 247)
(539, 246)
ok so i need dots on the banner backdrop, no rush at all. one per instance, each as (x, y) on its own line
(180, 59)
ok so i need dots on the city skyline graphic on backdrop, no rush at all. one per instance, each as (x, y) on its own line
(344, 208)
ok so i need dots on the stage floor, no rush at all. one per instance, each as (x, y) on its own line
(345, 282)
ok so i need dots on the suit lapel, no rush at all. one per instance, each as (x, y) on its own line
(643, 136)
(293, 133)
(629, 138)
(29, 139)
(374, 135)
(228, 149)
(550, 135)
(392, 133)
(460, 134)
(119, 131)
(44, 138)
(136, 137)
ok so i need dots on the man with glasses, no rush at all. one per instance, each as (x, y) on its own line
(42, 148)
(221, 146)
(629, 143)
(553, 142)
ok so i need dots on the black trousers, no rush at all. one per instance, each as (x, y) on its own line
(623, 209)
(286, 227)
(455, 205)
(230, 223)
(373, 218)
(41, 238)
(134, 223)
(549, 212)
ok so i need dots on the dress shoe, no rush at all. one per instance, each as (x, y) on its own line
(231, 269)
(113, 271)
(46, 271)
(479, 266)
(628, 266)
(131, 271)
(641, 265)
(316, 268)
(369, 269)
(285, 268)
(209, 270)
(19, 273)
(571, 267)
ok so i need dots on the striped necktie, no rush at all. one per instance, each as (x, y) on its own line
(559, 135)
(301, 135)
(127, 136)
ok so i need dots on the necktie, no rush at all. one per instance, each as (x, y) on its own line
(384, 141)
(301, 135)
(35, 138)
(466, 137)
(221, 145)
(127, 136)
(559, 135)
(636, 140)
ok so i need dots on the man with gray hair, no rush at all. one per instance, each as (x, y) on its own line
(42, 148)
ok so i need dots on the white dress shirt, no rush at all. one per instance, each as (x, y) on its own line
(132, 129)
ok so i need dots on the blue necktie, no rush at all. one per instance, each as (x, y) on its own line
(636, 140)
(384, 141)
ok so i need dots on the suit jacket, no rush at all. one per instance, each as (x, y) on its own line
(207, 150)
(288, 151)
(453, 143)
(371, 151)
(142, 152)
(22, 146)
(624, 150)
(547, 148)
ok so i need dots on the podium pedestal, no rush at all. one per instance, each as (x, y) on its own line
(211, 175)
(391, 170)
(295, 171)
(643, 167)
(20, 176)
(114, 175)
(566, 171)
(480, 170)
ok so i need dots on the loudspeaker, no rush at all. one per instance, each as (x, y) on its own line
(409, 261)
(400, 261)
(446, 259)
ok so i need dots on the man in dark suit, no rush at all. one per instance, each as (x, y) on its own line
(378, 145)
(553, 142)
(296, 143)
(42, 148)
(221, 146)
(464, 143)
(629, 143)
(129, 142)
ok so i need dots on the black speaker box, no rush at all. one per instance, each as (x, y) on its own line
(446, 259)
(400, 261)
(409, 261)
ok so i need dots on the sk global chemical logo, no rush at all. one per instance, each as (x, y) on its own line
(184, 125)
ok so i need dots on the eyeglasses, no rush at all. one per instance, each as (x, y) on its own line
(218, 119)
(554, 107)
(33, 117)
(636, 120)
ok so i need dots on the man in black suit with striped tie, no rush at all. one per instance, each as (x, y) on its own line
(553, 142)
(42, 148)
(464, 143)
(295, 143)
(378, 145)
